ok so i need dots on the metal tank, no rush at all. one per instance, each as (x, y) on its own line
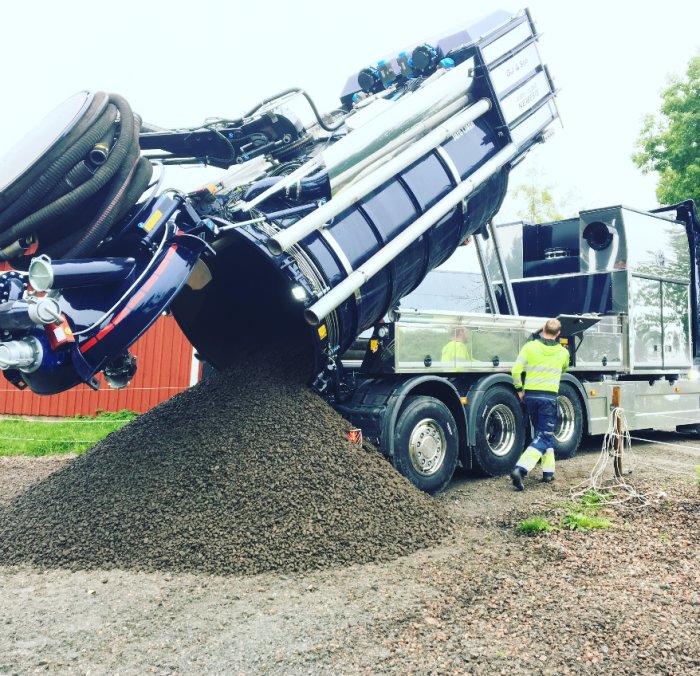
(320, 226)
(393, 198)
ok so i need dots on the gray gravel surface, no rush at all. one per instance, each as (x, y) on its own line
(485, 600)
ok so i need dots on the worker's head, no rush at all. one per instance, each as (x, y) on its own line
(551, 329)
(461, 334)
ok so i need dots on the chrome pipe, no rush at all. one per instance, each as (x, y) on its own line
(341, 292)
(356, 191)
(45, 274)
(341, 180)
(378, 136)
(402, 116)
(285, 182)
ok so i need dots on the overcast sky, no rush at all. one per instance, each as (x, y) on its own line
(179, 61)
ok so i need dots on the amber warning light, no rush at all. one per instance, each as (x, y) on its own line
(355, 436)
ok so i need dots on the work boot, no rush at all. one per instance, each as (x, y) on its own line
(517, 478)
(547, 478)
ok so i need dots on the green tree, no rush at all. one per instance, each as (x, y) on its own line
(670, 143)
(536, 202)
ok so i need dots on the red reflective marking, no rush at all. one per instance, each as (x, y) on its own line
(136, 299)
(121, 315)
(104, 331)
(160, 269)
(86, 346)
(133, 302)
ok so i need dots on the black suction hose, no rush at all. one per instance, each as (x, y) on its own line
(22, 207)
(101, 166)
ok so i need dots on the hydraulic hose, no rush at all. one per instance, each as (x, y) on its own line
(79, 191)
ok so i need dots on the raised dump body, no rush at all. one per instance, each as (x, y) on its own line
(322, 225)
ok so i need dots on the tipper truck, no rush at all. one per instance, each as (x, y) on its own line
(321, 226)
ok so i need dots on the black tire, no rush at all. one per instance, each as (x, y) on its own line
(426, 444)
(692, 430)
(569, 429)
(500, 431)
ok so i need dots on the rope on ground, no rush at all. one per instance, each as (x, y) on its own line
(616, 445)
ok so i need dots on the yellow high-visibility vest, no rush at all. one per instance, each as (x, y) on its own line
(543, 362)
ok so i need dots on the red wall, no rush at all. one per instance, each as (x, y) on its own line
(164, 358)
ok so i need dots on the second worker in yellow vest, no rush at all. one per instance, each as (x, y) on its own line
(543, 360)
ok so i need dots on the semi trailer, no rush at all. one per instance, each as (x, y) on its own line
(321, 226)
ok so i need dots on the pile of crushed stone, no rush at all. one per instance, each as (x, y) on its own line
(247, 472)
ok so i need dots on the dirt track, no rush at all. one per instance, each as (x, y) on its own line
(485, 601)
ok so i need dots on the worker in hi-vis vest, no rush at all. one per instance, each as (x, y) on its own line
(543, 359)
(457, 349)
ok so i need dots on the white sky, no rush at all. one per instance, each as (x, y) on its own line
(178, 61)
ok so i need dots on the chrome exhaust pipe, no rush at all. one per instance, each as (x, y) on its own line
(287, 238)
(341, 292)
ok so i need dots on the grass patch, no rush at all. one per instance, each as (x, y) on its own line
(534, 526)
(580, 514)
(592, 500)
(584, 522)
(19, 436)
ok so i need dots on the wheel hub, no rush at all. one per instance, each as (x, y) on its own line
(566, 424)
(427, 447)
(500, 430)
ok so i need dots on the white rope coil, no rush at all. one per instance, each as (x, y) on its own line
(616, 447)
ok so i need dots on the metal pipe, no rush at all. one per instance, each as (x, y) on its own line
(25, 354)
(326, 304)
(508, 293)
(486, 274)
(295, 233)
(284, 182)
(381, 135)
(362, 166)
(400, 117)
(45, 274)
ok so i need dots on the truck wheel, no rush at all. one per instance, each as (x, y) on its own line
(426, 444)
(569, 430)
(500, 431)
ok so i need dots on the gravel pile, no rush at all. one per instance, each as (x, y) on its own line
(247, 472)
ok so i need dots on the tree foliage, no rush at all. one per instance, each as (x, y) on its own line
(537, 203)
(670, 143)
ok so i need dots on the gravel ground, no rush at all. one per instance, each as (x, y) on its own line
(484, 600)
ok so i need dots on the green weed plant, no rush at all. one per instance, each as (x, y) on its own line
(534, 526)
(584, 522)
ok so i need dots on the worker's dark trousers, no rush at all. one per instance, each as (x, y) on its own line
(542, 408)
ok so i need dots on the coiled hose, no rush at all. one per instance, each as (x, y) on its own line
(69, 200)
